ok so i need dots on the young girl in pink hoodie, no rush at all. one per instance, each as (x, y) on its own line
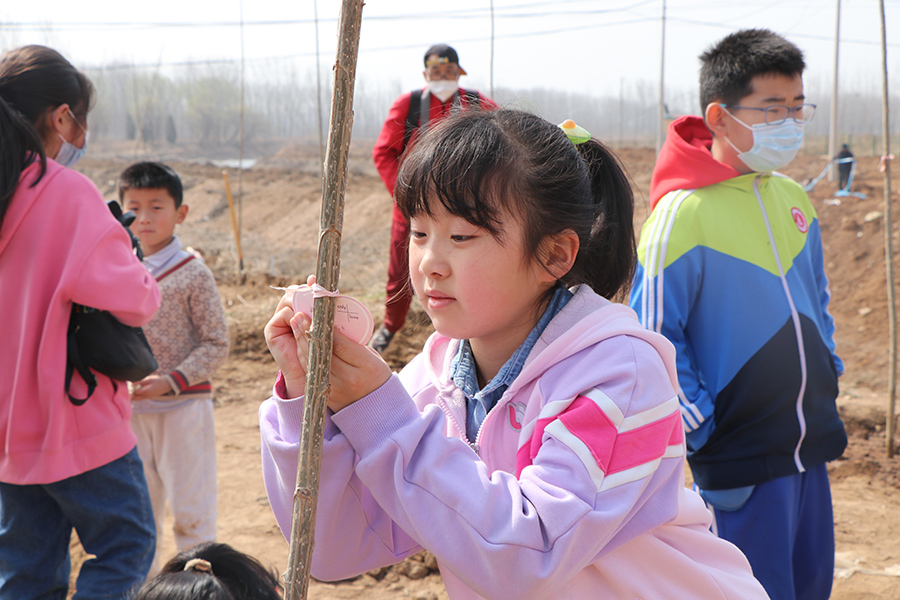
(62, 466)
(535, 447)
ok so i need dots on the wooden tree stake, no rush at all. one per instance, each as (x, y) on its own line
(306, 494)
(234, 226)
(888, 253)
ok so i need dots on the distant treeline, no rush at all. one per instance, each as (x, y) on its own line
(203, 105)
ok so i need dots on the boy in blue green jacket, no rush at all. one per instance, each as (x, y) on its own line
(731, 272)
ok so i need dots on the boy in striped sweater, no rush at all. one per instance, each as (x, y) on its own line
(172, 408)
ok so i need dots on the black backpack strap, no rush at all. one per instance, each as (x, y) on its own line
(473, 98)
(74, 362)
(412, 116)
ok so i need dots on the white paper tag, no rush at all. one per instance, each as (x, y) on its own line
(351, 317)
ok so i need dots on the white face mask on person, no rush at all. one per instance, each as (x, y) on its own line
(443, 89)
(68, 153)
(774, 146)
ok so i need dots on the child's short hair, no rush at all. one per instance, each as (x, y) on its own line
(483, 165)
(729, 66)
(151, 175)
(211, 571)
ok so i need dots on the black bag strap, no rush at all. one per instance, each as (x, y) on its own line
(473, 98)
(74, 362)
(126, 219)
(412, 116)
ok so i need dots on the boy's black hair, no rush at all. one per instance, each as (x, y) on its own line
(151, 176)
(729, 66)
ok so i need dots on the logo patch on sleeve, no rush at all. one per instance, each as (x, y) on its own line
(800, 220)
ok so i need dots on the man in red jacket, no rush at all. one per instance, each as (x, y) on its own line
(409, 115)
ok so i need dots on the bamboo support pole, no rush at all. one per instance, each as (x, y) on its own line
(888, 252)
(306, 493)
(234, 226)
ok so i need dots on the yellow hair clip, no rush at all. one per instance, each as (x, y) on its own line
(577, 134)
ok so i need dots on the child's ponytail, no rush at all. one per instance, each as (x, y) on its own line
(607, 261)
(211, 571)
(20, 145)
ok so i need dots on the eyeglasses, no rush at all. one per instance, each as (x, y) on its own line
(779, 113)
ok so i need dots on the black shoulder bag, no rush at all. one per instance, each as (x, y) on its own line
(97, 340)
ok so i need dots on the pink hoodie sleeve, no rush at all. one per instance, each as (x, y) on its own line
(348, 517)
(109, 276)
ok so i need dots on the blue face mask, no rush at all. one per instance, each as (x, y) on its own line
(69, 154)
(774, 146)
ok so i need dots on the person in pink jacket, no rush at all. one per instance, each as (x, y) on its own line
(62, 466)
(535, 446)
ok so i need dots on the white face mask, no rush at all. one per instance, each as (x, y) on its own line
(443, 88)
(68, 153)
(774, 146)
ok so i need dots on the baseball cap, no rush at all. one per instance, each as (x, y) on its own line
(444, 53)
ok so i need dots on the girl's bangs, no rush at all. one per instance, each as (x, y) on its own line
(455, 173)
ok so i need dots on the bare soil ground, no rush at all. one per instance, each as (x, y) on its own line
(279, 218)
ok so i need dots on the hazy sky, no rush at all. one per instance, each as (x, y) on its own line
(589, 45)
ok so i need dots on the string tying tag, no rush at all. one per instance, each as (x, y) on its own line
(319, 292)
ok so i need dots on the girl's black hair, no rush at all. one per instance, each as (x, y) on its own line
(483, 166)
(231, 575)
(34, 80)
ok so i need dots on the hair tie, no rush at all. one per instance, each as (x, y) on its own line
(199, 565)
(577, 135)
